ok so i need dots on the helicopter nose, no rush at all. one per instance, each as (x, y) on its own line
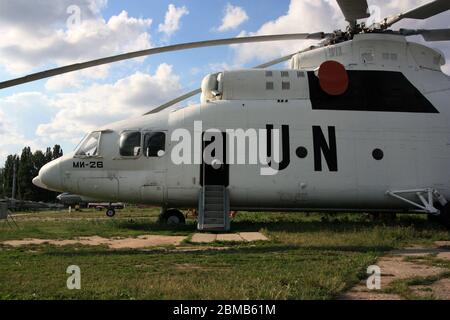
(49, 177)
(38, 183)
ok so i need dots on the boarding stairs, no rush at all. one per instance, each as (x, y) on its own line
(214, 209)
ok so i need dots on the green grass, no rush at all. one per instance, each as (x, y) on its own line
(308, 257)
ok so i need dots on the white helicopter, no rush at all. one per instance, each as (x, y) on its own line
(360, 122)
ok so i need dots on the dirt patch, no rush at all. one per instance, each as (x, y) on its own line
(203, 238)
(113, 243)
(443, 244)
(146, 241)
(228, 237)
(395, 266)
(253, 236)
(443, 255)
(438, 290)
(369, 295)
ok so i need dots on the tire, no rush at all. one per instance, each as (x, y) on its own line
(111, 212)
(173, 217)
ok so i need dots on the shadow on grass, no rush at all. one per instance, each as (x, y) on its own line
(334, 224)
(170, 251)
(305, 251)
(288, 223)
(149, 226)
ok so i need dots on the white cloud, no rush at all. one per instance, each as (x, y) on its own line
(97, 105)
(21, 100)
(35, 35)
(71, 115)
(12, 140)
(41, 37)
(325, 15)
(302, 16)
(172, 20)
(40, 16)
(22, 113)
(233, 18)
(77, 80)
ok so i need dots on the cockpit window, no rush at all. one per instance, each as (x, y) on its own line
(130, 144)
(154, 144)
(89, 146)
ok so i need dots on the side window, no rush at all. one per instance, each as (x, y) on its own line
(89, 146)
(154, 144)
(130, 144)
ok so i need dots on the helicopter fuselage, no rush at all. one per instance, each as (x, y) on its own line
(389, 131)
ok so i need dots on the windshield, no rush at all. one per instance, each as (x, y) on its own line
(89, 146)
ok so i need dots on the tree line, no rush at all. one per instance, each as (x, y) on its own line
(27, 167)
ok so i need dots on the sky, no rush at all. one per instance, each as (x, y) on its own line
(41, 34)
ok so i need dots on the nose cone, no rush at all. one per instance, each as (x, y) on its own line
(38, 183)
(49, 177)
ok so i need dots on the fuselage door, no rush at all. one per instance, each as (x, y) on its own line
(214, 169)
(155, 157)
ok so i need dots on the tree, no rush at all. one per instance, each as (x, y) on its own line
(8, 172)
(2, 187)
(25, 174)
(38, 194)
(28, 166)
(39, 160)
(48, 155)
(57, 152)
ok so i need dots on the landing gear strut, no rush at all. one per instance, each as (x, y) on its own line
(431, 202)
(172, 217)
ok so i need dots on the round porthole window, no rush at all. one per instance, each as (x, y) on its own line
(302, 152)
(378, 154)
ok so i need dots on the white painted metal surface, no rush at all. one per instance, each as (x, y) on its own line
(416, 146)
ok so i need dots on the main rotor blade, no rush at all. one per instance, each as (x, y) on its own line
(176, 47)
(197, 91)
(354, 10)
(174, 101)
(428, 35)
(423, 12)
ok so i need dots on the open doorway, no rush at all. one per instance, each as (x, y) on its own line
(215, 173)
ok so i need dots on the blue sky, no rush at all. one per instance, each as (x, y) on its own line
(35, 36)
(201, 23)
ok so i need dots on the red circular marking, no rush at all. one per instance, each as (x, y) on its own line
(333, 78)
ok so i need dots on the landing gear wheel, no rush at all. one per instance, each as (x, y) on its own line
(111, 212)
(172, 217)
(444, 217)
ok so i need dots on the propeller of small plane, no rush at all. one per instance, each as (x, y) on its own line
(353, 10)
